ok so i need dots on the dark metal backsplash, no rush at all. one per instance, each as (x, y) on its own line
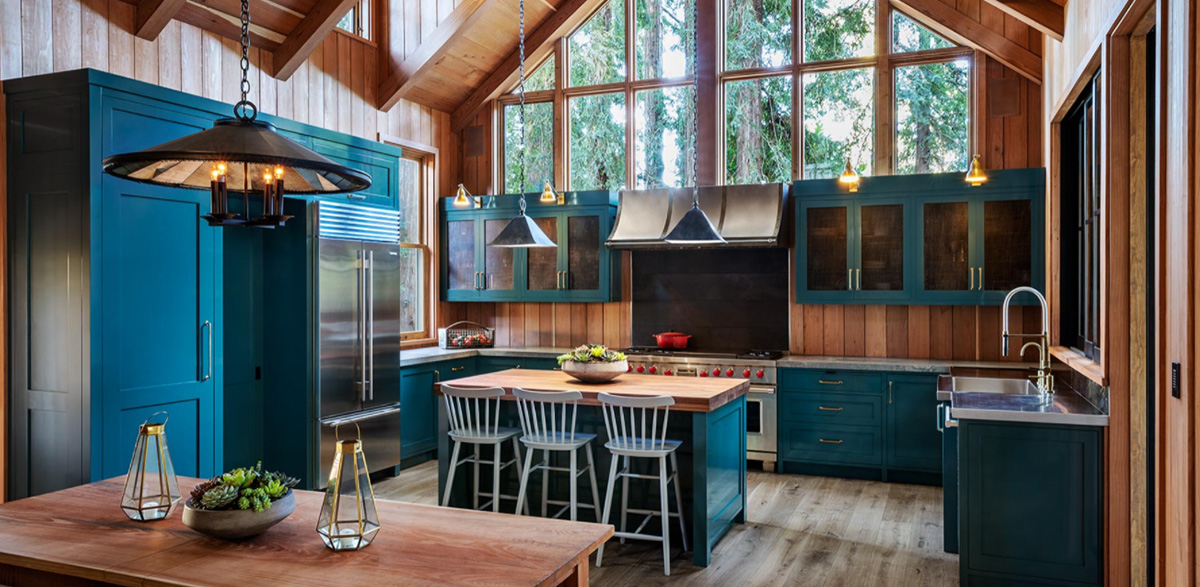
(727, 299)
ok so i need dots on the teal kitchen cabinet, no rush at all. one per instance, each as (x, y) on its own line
(493, 364)
(852, 250)
(920, 239)
(1029, 504)
(378, 161)
(914, 442)
(859, 424)
(580, 269)
(418, 406)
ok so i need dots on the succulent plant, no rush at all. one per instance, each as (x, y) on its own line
(592, 353)
(241, 477)
(199, 490)
(255, 499)
(275, 488)
(219, 497)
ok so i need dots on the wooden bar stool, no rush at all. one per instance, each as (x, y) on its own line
(633, 432)
(545, 426)
(474, 415)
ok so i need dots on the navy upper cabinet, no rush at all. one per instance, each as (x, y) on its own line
(581, 268)
(920, 239)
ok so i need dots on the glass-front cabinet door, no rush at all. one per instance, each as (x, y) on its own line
(541, 264)
(946, 254)
(582, 262)
(879, 260)
(825, 248)
(496, 263)
(460, 271)
(1008, 259)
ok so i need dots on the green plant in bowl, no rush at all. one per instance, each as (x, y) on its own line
(593, 363)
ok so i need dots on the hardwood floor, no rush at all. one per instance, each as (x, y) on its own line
(810, 531)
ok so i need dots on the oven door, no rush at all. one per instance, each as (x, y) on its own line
(761, 443)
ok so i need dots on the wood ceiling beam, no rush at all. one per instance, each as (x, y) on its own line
(961, 29)
(406, 72)
(307, 35)
(538, 45)
(154, 15)
(1043, 15)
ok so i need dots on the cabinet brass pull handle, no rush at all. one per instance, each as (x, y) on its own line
(483, 280)
(825, 409)
(889, 393)
(437, 376)
(981, 279)
(849, 280)
(827, 441)
(858, 275)
(208, 373)
(823, 382)
(459, 368)
(971, 272)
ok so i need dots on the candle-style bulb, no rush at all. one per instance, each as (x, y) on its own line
(278, 173)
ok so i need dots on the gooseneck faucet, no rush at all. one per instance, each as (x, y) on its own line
(1045, 380)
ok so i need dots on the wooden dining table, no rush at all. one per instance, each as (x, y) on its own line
(80, 537)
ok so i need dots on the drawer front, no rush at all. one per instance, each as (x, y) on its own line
(831, 408)
(450, 370)
(493, 364)
(828, 443)
(830, 381)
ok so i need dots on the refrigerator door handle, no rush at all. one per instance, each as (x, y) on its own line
(362, 321)
(371, 325)
(359, 417)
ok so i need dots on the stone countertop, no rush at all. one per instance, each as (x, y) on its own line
(421, 356)
(884, 364)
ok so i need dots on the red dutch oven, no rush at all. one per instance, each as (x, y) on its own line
(672, 340)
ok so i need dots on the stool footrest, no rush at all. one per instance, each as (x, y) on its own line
(637, 536)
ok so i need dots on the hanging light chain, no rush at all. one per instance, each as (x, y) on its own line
(521, 85)
(245, 103)
(695, 108)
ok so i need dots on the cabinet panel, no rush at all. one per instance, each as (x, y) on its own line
(543, 266)
(946, 246)
(584, 244)
(831, 443)
(383, 170)
(460, 257)
(497, 261)
(913, 440)
(829, 381)
(827, 237)
(831, 408)
(418, 413)
(1007, 244)
(881, 248)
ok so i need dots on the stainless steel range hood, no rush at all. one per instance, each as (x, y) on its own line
(745, 215)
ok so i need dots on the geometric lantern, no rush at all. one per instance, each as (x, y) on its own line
(348, 520)
(151, 490)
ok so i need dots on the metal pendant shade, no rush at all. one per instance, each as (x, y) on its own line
(522, 233)
(250, 149)
(694, 228)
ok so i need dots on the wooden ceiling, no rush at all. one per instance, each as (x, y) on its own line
(457, 55)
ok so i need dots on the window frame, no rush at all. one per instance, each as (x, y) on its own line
(427, 158)
(1082, 213)
(362, 26)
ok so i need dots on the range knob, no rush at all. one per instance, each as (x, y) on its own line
(653, 369)
(628, 368)
(667, 372)
(759, 374)
(746, 374)
(729, 372)
(704, 373)
(641, 369)
(716, 371)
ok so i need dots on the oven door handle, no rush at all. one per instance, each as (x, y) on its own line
(762, 390)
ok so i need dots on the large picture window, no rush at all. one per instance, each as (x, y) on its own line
(416, 181)
(804, 86)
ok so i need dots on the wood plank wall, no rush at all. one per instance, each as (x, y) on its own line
(1008, 128)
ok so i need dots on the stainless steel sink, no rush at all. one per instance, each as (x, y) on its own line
(994, 385)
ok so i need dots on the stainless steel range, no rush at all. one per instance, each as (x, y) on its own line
(757, 366)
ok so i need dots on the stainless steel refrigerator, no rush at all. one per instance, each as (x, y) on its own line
(351, 344)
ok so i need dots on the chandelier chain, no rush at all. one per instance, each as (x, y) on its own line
(521, 86)
(245, 104)
(695, 107)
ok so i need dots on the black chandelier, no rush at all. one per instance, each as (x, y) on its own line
(242, 155)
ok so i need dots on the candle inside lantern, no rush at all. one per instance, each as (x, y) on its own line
(223, 189)
(268, 196)
(279, 190)
(215, 188)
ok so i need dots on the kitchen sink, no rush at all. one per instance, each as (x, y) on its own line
(993, 385)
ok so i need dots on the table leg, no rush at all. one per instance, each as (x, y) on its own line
(578, 577)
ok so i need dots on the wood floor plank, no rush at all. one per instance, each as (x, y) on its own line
(800, 530)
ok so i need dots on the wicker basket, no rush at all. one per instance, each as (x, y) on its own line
(466, 335)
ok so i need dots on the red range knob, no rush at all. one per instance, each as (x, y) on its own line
(704, 373)
(746, 374)
(717, 372)
(641, 369)
(667, 372)
(729, 372)
(628, 368)
(653, 369)
(759, 374)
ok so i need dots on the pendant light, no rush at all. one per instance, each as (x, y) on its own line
(522, 232)
(694, 228)
(976, 175)
(240, 154)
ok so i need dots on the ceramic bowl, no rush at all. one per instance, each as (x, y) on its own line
(238, 524)
(595, 372)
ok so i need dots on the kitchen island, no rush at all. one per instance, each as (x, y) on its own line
(80, 537)
(709, 418)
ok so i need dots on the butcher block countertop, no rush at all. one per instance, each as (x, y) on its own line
(79, 536)
(692, 394)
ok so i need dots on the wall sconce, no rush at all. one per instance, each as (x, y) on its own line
(462, 198)
(549, 196)
(976, 175)
(849, 178)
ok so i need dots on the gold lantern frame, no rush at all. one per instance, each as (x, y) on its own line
(329, 526)
(168, 484)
